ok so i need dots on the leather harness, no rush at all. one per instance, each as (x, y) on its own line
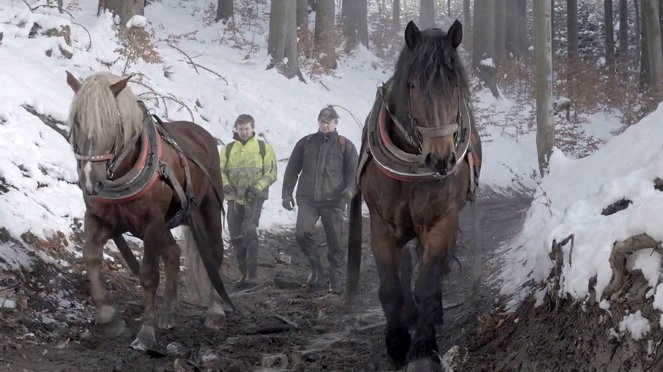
(411, 167)
(148, 169)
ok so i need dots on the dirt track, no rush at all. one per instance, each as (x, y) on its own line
(279, 326)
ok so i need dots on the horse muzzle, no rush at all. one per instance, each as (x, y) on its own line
(441, 166)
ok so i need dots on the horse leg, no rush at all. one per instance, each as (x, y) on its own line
(427, 292)
(215, 317)
(409, 312)
(387, 257)
(96, 234)
(171, 259)
(149, 280)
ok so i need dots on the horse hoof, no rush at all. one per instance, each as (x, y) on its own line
(145, 339)
(112, 329)
(424, 365)
(398, 343)
(422, 348)
(167, 320)
(215, 321)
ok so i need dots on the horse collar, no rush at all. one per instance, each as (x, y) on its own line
(405, 166)
(142, 176)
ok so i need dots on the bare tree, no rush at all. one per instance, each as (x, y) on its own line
(125, 9)
(623, 34)
(652, 36)
(484, 29)
(282, 42)
(354, 19)
(572, 28)
(225, 10)
(500, 30)
(302, 14)
(522, 26)
(512, 38)
(396, 15)
(324, 39)
(467, 25)
(545, 127)
(426, 14)
(609, 36)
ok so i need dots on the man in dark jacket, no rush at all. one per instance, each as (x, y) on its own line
(325, 164)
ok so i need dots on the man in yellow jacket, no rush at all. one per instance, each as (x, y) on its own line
(248, 167)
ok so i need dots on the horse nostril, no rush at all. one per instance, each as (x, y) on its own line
(98, 187)
(431, 161)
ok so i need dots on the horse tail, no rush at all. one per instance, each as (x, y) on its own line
(354, 247)
(206, 259)
(198, 283)
(127, 254)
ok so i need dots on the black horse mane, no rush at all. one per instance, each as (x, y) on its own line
(433, 57)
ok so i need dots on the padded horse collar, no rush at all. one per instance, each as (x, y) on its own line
(147, 169)
(405, 166)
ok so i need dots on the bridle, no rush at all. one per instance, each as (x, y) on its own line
(416, 133)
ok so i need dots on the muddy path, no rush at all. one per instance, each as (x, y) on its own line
(279, 325)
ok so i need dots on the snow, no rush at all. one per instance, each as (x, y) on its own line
(637, 325)
(38, 175)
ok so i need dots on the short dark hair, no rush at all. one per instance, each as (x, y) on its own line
(327, 114)
(244, 119)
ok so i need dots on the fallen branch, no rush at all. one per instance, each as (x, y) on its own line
(252, 290)
(557, 257)
(186, 55)
(88, 35)
(197, 65)
(618, 257)
(286, 321)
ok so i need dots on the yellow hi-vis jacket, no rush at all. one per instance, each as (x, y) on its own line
(245, 166)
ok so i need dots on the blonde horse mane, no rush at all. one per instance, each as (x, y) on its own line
(96, 114)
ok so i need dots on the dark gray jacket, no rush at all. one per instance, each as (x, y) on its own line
(328, 167)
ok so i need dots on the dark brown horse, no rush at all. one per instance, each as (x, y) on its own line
(141, 176)
(419, 165)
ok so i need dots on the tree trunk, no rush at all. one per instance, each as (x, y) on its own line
(426, 14)
(553, 43)
(545, 129)
(324, 39)
(512, 38)
(572, 28)
(638, 30)
(449, 8)
(292, 67)
(609, 36)
(523, 27)
(652, 30)
(396, 17)
(354, 18)
(644, 55)
(277, 32)
(125, 9)
(623, 35)
(467, 27)
(224, 11)
(302, 14)
(500, 30)
(484, 30)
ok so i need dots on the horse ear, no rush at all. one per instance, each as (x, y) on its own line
(455, 34)
(116, 88)
(412, 35)
(73, 82)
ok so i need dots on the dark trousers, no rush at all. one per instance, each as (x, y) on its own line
(243, 227)
(308, 213)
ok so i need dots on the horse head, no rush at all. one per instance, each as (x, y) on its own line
(104, 117)
(429, 91)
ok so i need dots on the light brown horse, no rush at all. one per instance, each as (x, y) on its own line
(143, 177)
(420, 163)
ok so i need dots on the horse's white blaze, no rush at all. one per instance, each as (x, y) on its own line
(87, 169)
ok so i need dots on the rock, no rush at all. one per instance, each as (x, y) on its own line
(176, 349)
(275, 361)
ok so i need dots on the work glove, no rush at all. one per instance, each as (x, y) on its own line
(288, 203)
(251, 193)
(229, 190)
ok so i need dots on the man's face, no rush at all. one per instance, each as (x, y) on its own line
(245, 131)
(328, 126)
